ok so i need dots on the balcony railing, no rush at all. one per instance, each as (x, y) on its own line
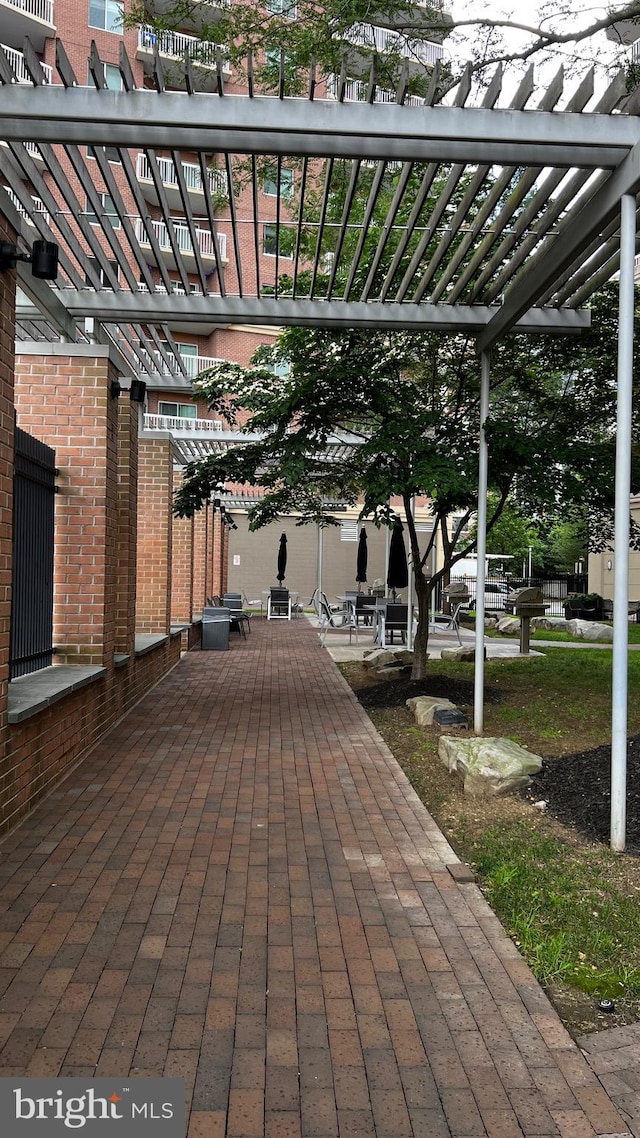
(38, 206)
(169, 423)
(355, 91)
(183, 238)
(177, 289)
(385, 40)
(41, 9)
(634, 51)
(174, 45)
(191, 173)
(16, 59)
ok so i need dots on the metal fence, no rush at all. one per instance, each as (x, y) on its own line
(554, 589)
(33, 536)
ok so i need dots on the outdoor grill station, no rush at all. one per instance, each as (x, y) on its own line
(525, 603)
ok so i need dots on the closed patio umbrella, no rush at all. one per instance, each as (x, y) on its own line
(397, 571)
(282, 558)
(363, 555)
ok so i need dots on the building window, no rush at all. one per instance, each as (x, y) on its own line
(270, 185)
(286, 8)
(106, 14)
(109, 207)
(102, 276)
(280, 242)
(178, 410)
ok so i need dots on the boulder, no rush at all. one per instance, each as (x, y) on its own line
(550, 623)
(509, 625)
(404, 656)
(466, 653)
(394, 671)
(378, 658)
(488, 766)
(490, 622)
(590, 630)
(423, 707)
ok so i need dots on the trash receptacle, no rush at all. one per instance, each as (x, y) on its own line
(215, 628)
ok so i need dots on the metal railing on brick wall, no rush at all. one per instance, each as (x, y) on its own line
(33, 538)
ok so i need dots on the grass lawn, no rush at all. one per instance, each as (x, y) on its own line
(568, 902)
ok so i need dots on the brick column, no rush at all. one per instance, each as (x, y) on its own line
(7, 368)
(209, 570)
(181, 565)
(127, 526)
(155, 500)
(200, 559)
(63, 397)
(218, 547)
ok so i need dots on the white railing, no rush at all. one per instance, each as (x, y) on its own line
(183, 238)
(34, 150)
(16, 59)
(385, 40)
(193, 365)
(191, 173)
(38, 206)
(634, 51)
(177, 289)
(636, 266)
(175, 44)
(41, 9)
(169, 423)
(355, 91)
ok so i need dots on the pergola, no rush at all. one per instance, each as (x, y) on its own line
(501, 218)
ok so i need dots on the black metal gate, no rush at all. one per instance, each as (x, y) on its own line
(33, 520)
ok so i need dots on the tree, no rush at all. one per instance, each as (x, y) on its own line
(408, 405)
(311, 34)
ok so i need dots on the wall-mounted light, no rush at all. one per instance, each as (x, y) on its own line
(138, 391)
(43, 258)
(116, 388)
(609, 564)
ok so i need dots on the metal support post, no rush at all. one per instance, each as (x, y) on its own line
(483, 483)
(623, 489)
(319, 567)
(411, 589)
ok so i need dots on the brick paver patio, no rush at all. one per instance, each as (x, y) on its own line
(239, 887)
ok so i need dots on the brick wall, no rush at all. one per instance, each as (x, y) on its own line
(181, 565)
(64, 399)
(127, 516)
(155, 498)
(200, 526)
(7, 339)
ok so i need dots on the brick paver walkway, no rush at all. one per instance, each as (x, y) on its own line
(239, 887)
(615, 1057)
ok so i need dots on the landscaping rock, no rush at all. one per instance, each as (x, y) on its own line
(510, 625)
(466, 654)
(488, 766)
(490, 622)
(423, 707)
(404, 656)
(550, 623)
(394, 671)
(378, 658)
(590, 630)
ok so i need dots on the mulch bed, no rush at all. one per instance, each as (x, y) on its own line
(577, 790)
(397, 693)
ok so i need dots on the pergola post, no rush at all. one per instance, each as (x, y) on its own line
(483, 483)
(623, 490)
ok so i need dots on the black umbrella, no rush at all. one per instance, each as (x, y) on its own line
(363, 554)
(397, 571)
(282, 558)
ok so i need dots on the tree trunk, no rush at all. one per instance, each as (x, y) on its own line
(423, 596)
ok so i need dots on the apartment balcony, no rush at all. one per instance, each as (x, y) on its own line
(201, 12)
(177, 289)
(356, 92)
(37, 207)
(419, 20)
(179, 425)
(419, 53)
(173, 47)
(217, 185)
(16, 59)
(32, 18)
(183, 240)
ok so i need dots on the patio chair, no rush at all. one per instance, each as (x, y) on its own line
(392, 619)
(365, 608)
(240, 620)
(341, 619)
(458, 596)
(279, 605)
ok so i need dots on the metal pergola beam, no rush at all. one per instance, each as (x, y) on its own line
(586, 226)
(216, 310)
(141, 118)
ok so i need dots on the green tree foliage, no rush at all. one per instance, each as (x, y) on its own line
(405, 406)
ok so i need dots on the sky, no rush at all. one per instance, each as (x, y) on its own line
(587, 10)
